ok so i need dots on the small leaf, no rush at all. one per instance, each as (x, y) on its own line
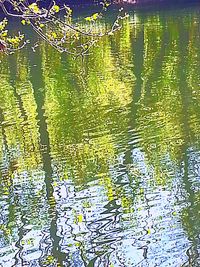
(56, 8)
(80, 218)
(23, 21)
(95, 16)
(34, 8)
(88, 19)
(148, 231)
(4, 34)
(54, 35)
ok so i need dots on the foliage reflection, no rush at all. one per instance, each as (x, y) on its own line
(100, 155)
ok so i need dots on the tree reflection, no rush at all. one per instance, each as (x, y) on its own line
(91, 147)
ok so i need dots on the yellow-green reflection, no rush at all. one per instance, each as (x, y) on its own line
(97, 153)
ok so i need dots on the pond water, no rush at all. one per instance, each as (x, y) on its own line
(100, 156)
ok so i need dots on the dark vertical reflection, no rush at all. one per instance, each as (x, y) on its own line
(156, 67)
(186, 101)
(36, 78)
(138, 56)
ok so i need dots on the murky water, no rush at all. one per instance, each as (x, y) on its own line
(100, 157)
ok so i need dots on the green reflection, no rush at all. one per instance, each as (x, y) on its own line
(102, 135)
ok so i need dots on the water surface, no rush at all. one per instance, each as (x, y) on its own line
(100, 156)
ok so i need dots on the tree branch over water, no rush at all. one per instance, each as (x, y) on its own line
(55, 25)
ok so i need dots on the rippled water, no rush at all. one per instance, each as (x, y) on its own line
(100, 157)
